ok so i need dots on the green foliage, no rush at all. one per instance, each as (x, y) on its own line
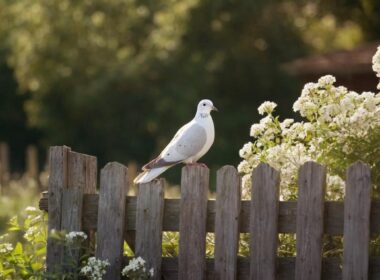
(15, 197)
(26, 259)
(127, 73)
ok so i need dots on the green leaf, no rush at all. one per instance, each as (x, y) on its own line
(18, 250)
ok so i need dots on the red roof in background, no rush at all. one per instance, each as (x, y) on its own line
(347, 62)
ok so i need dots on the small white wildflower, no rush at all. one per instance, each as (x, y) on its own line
(30, 209)
(74, 235)
(6, 248)
(151, 272)
(257, 129)
(246, 150)
(95, 268)
(327, 80)
(376, 64)
(286, 123)
(267, 107)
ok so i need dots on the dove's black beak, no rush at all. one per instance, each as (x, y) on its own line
(214, 109)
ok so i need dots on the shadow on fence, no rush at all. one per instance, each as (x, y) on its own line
(73, 204)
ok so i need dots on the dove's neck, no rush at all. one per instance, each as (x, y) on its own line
(202, 116)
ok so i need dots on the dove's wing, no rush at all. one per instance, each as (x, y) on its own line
(187, 142)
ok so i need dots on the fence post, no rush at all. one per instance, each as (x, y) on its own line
(4, 164)
(310, 211)
(264, 222)
(58, 158)
(111, 217)
(31, 160)
(192, 223)
(228, 195)
(72, 204)
(149, 216)
(357, 204)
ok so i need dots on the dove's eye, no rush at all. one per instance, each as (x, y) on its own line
(204, 104)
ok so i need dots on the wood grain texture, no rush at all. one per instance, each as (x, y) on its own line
(228, 200)
(357, 204)
(72, 205)
(192, 225)
(311, 192)
(91, 174)
(72, 196)
(113, 191)
(149, 215)
(58, 159)
(264, 222)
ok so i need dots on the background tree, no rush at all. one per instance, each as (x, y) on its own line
(117, 79)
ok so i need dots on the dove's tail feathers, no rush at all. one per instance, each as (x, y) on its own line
(149, 175)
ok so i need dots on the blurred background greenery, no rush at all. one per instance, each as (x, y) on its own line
(117, 78)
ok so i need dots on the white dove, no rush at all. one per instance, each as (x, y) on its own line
(188, 145)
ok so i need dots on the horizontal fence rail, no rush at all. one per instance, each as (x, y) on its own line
(333, 215)
(73, 203)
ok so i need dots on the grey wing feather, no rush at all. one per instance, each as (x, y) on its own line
(192, 141)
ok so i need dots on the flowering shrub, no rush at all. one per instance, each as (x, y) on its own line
(136, 270)
(340, 127)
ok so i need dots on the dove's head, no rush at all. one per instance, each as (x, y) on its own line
(205, 106)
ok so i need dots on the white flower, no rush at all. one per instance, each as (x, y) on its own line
(6, 248)
(257, 129)
(326, 80)
(30, 209)
(75, 235)
(95, 268)
(151, 272)
(376, 64)
(247, 149)
(267, 107)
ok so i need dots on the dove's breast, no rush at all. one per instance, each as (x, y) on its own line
(207, 126)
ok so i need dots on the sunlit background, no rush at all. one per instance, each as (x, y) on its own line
(117, 78)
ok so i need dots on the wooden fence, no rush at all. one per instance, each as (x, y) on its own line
(73, 204)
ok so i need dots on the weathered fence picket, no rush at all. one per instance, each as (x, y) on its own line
(192, 223)
(149, 216)
(57, 182)
(73, 204)
(228, 196)
(311, 192)
(357, 205)
(264, 232)
(110, 239)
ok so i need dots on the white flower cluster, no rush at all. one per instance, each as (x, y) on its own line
(6, 248)
(267, 107)
(376, 64)
(341, 127)
(31, 209)
(94, 269)
(75, 236)
(136, 269)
